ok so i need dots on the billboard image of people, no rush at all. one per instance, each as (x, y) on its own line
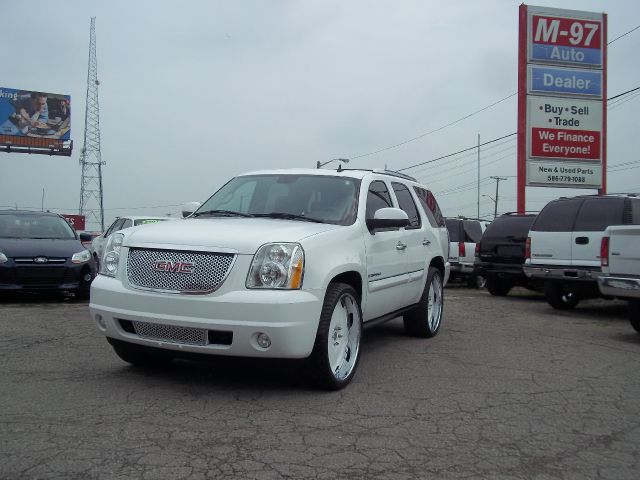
(29, 114)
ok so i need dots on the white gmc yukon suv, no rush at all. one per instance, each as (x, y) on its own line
(278, 264)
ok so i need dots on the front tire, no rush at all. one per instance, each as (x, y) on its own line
(634, 314)
(336, 351)
(425, 319)
(560, 297)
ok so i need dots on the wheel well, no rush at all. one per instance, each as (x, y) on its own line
(438, 262)
(350, 278)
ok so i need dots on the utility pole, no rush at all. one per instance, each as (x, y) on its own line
(91, 204)
(478, 214)
(495, 210)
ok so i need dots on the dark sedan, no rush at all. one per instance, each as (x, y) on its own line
(40, 252)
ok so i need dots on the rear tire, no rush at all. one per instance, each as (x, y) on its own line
(560, 297)
(336, 351)
(476, 281)
(634, 314)
(140, 357)
(425, 319)
(498, 287)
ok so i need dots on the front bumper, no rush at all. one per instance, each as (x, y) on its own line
(619, 286)
(46, 278)
(289, 317)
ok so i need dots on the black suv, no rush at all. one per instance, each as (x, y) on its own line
(502, 252)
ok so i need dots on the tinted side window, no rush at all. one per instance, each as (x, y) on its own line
(407, 204)
(431, 207)
(472, 231)
(454, 229)
(635, 211)
(597, 214)
(377, 197)
(557, 216)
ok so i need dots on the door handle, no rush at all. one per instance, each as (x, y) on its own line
(401, 246)
(426, 242)
(582, 240)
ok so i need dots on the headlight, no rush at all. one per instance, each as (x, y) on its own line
(277, 265)
(81, 257)
(111, 257)
(3, 258)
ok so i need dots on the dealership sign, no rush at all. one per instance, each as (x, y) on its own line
(76, 221)
(561, 99)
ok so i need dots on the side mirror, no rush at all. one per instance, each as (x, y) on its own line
(388, 218)
(189, 207)
(85, 237)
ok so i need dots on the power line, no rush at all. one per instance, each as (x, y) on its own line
(435, 130)
(623, 35)
(491, 141)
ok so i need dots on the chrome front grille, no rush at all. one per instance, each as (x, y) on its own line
(170, 333)
(177, 271)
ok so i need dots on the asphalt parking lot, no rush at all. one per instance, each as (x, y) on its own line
(509, 389)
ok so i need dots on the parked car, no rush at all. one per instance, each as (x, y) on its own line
(501, 253)
(620, 261)
(278, 264)
(40, 252)
(564, 244)
(120, 223)
(464, 234)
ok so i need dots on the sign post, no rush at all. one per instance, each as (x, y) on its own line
(561, 99)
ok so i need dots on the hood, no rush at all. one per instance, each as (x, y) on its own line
(243, 235)
(39, 247)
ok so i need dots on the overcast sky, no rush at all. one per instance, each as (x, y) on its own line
(193, 93)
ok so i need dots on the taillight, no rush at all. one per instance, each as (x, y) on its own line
(478, 249)
(462, 252)
(527, 248)
(604, 252)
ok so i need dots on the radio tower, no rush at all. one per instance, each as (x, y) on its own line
(91, 205)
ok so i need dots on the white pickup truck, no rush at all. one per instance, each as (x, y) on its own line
(620, 260)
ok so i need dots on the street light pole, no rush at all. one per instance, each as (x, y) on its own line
(320, 165)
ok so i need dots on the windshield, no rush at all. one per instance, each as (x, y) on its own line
(35, 226)
(297, 197)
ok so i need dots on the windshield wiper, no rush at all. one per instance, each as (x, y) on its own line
(287, 216)
(222, 213)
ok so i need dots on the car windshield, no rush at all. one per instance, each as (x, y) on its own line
(315, 198)
(35, 226)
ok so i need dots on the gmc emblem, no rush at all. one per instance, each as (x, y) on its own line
(174, 267)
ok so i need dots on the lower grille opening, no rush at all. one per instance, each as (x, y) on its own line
(220, 338)
(127, 326)
(173, 334)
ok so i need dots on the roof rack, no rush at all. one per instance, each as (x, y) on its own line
(393, 173)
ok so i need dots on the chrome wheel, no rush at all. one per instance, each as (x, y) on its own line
(343, 340)
(425, 319)
(434, 303)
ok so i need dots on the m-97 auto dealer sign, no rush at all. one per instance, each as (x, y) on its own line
(561, 99)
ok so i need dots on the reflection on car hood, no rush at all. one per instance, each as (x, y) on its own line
(34, 247)
(244, 235)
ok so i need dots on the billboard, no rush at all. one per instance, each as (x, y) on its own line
(562, 79)
(34, 119)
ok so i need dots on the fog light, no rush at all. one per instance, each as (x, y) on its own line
(263, 340)
(101, 322)
(87, 277)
